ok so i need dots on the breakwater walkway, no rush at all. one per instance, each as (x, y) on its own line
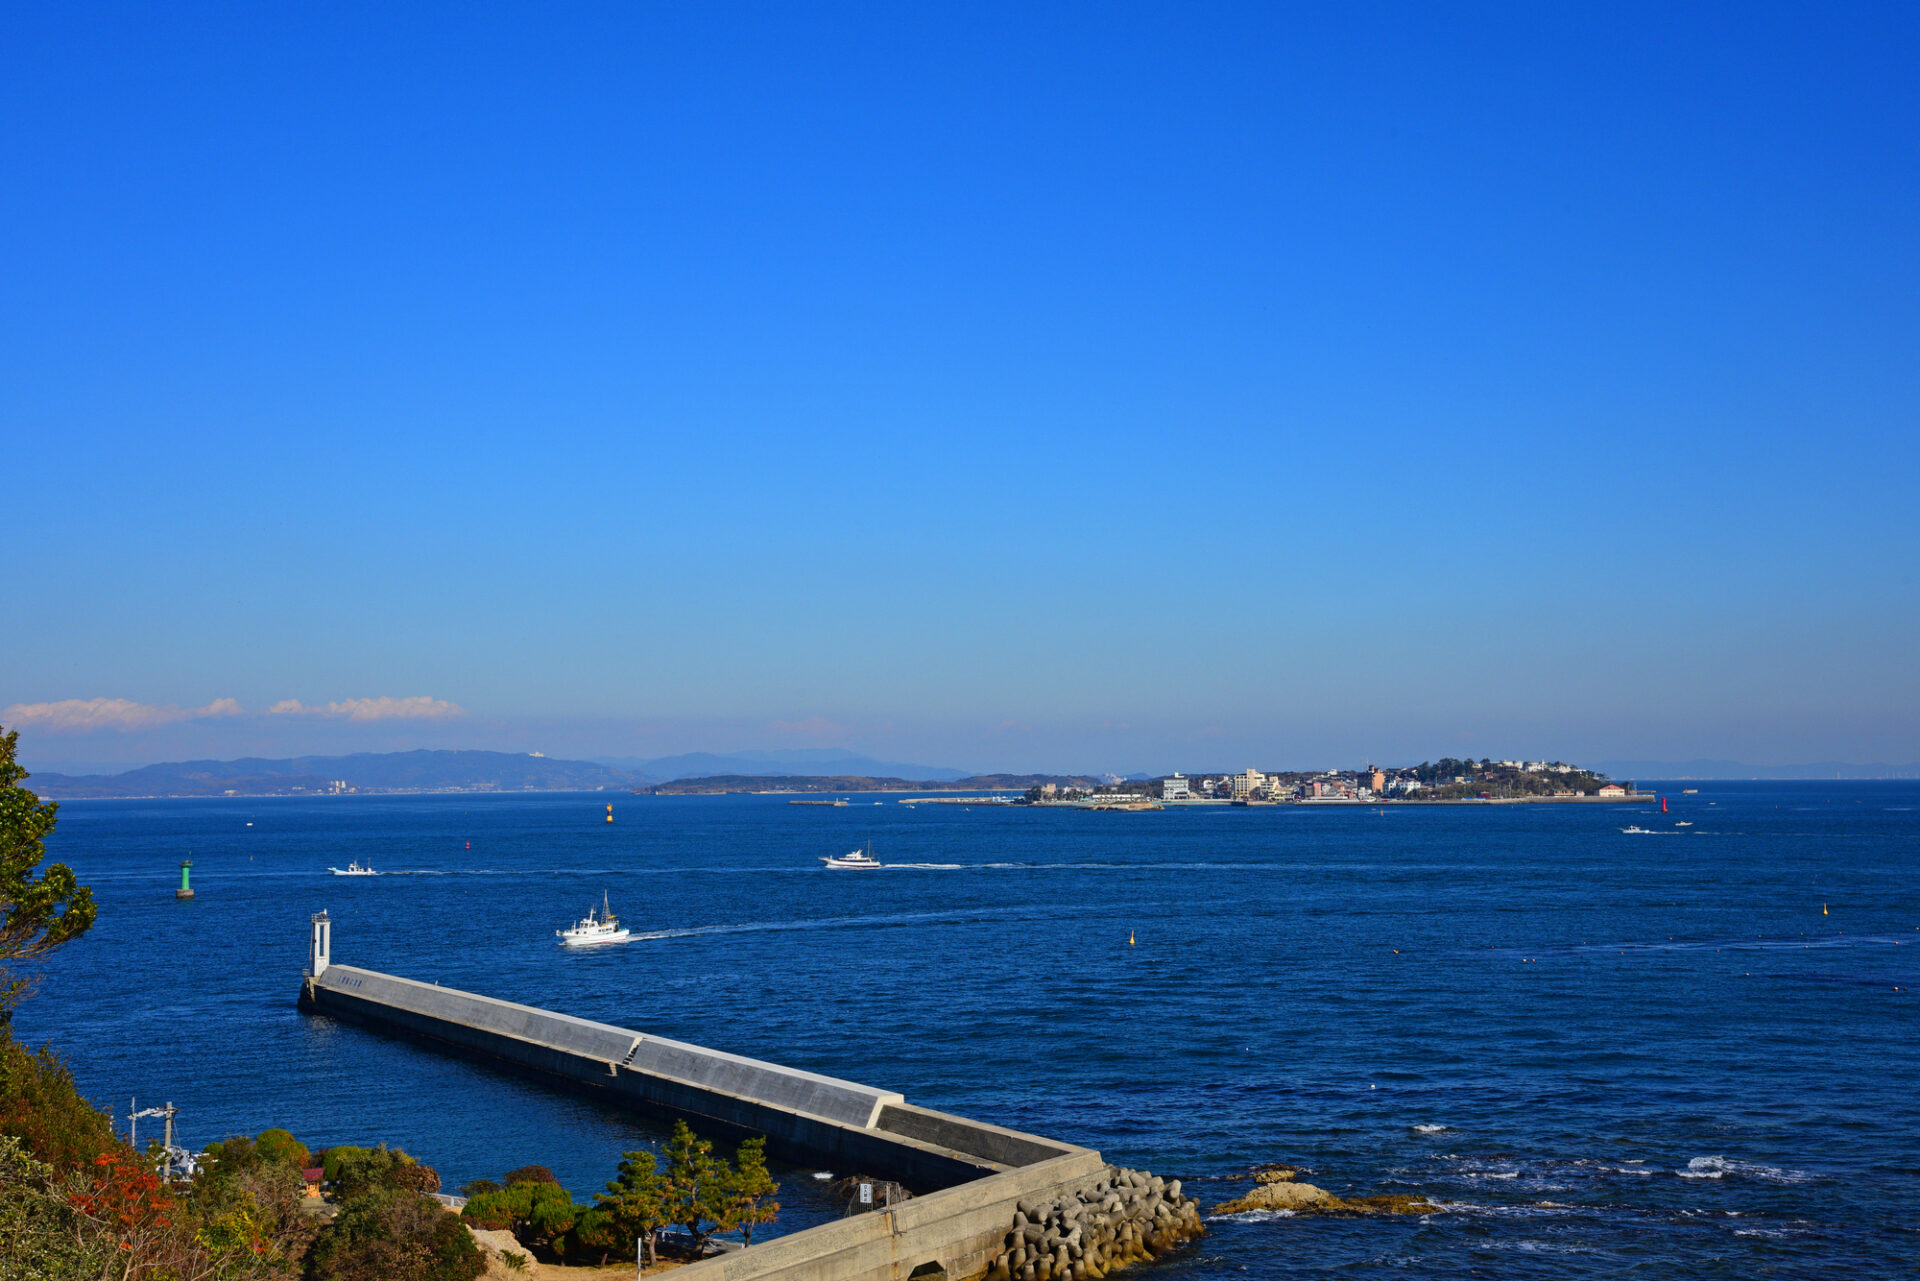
(989, 1200)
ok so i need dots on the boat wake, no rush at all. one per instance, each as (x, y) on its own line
(822, 923)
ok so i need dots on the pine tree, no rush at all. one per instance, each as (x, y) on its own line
(750, 1190)
(635, 1203)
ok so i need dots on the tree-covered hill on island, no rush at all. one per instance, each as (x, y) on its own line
(727, 784)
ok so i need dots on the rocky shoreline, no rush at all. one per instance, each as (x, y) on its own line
(1112, 1221)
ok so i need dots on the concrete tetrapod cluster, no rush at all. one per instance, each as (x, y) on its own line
(1102, 1225)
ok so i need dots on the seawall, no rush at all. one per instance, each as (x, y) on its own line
(971, 1179)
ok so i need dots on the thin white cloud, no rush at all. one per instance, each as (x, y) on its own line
(78, 715)
(84, 715)
(418, 707)
(87, 715)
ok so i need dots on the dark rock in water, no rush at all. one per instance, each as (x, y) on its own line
(1395, 1204)
(1275, 1172)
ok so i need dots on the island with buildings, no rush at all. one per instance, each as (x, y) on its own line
(1431, 782)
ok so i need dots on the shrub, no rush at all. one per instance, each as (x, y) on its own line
(479, 1186)
(388, 1235)
(251, 1219)
(355, 1170)
(41, 1106)
(414, 1177)
(39, 1231)
(529, 1174)
(538, 1213)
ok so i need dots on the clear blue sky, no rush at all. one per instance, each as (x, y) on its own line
(1115, 386)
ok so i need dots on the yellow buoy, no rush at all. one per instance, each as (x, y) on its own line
(1129, 938)
(1823, 909)
(609, 813)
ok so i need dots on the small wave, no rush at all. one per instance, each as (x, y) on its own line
(1719, 1167)
(1251, 1216)
(1431, 1129)
(1542, 1209)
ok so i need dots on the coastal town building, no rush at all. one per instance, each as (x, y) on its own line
(1175, 788)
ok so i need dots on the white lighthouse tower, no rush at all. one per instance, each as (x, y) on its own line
(319, 945)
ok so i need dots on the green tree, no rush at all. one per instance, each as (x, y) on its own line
(597, 1237)
(750, 1190)
(37, 913)
(280, 1148)
(696, 1185)
(635, 1203)
(232, 1154)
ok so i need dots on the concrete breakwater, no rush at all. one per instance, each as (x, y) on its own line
(976, 1185)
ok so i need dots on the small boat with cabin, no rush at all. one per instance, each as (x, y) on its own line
(353, 869)
(858, 860)
(598, 926)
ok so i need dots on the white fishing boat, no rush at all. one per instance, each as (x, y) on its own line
(1637, 830)
(1683, 823)
(598, 926)
(857, 860)
(353, 869)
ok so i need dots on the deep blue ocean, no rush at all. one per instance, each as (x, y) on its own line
(1688, 1054)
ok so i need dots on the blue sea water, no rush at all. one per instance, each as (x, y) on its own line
(1688, 1054)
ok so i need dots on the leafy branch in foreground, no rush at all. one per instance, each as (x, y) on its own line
(37, 913)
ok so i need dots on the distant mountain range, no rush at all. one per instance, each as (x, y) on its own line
(813, 762)
(448, 771)
(1737, 770)
(422, 771)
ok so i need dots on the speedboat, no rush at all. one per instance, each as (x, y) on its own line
(353, 869)
(1684, 823)
(856, 860)
(599, 925)
(1636, 830)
